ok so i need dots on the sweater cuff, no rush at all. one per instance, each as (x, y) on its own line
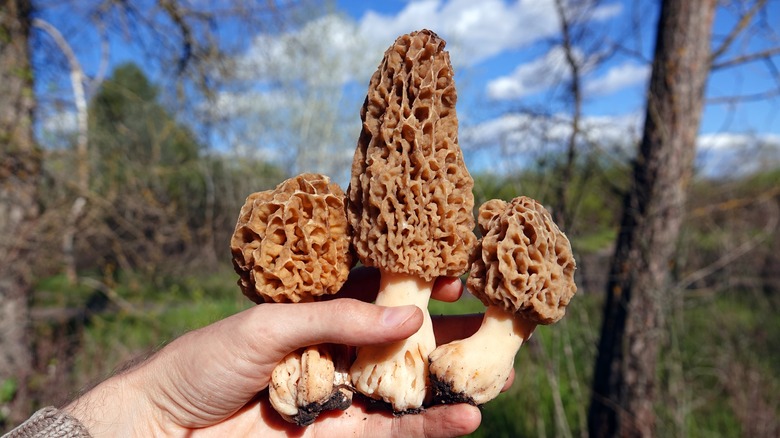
(50, 422)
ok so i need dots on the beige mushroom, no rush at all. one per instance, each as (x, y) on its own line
(409, 205)
(523, 270)
(291, 245)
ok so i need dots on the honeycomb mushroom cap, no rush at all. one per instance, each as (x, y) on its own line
(410, 198)
(291, 244)
(523, 263)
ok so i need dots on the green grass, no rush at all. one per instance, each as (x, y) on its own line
(711, 340)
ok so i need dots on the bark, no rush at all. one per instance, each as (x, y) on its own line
(19, 174)
(561, 207)
(624, 386)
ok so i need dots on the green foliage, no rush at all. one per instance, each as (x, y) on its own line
(157, 201)
(8, 388)
(157, 185)
(135, 139)
(595, 197)
(151, 314)
(717, 343)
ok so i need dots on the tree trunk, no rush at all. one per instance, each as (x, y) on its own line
(19, 175)
(624, 389)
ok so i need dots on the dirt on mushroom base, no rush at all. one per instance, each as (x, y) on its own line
(444, 393)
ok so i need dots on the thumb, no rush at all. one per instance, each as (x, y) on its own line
(287, 327)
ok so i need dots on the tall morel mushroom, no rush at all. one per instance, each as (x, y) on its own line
(291, 245)
(523, 270)
(409, 205)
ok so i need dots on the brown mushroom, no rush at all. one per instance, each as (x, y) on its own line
(409, 205)
(291, 245)
(523, 270)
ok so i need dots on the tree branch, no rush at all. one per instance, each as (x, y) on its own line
(730, 100)
(743, 59)
(743, 22)
(77, 79)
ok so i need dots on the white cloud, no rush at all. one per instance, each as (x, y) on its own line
(514, 141)
(728, 140)
(63, 122)
(551, 69)
(326, 51)
(56, 127)
(287, 74)
(515, 138)
(532, 77)
(517, 132)
(736, 154)
(617, 78)
(475, 30)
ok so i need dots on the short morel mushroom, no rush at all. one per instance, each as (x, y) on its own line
(409, 205)
(523, 270)
(291, 245)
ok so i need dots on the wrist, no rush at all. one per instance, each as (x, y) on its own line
(115, 407)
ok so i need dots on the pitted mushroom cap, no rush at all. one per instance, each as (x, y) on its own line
(523, 262)
(410, 198)
(291, 243)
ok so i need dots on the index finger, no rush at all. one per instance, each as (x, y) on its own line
(448, 328)
(363, 284)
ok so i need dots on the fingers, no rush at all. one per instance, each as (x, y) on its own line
(447, 289)
(287, 327)
(436, 422)
(363, 284)
(509, 381)
(448, 328)
(448, 421)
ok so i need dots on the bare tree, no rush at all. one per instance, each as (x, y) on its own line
(78, 81)
(19, 174)
(624, 386)
(184, 40)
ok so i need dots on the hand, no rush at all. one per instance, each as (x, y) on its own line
(213, 381)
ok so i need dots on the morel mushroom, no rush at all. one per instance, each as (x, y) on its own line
(291, 245)
(409, 205)
(523, 270)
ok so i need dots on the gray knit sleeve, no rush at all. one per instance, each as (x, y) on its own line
(49, 422)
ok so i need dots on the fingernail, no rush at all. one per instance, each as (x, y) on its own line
(395, 316)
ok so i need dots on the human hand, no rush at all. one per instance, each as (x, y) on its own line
(213, 381)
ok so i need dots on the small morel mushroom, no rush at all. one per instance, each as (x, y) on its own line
(523, 270)
(409, 205)
(291, 245)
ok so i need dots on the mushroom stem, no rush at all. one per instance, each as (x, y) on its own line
(473, 370)
(397, 372)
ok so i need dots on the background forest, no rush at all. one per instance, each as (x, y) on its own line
(140, 166)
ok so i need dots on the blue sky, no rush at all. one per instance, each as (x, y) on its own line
(505, 58)
(453, 18)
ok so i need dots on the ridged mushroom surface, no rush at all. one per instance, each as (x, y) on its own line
(410, 197)
(291, 243)
(523, 262)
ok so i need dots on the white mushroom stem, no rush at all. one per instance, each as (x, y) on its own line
(398, 372)
(476, 368)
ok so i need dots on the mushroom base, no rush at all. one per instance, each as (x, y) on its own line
(340, 400)
(310, 381)
(475, 369)
(444, 394)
